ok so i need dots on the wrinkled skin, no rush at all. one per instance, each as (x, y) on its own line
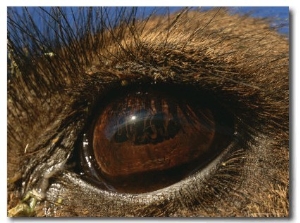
(53, 87)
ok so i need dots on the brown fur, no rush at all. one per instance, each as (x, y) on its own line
(239, 58)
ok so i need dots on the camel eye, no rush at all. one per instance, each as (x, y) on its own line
(146, 140)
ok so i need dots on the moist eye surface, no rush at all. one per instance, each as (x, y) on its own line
(145, 140)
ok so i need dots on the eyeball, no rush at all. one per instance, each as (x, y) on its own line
(147, 140)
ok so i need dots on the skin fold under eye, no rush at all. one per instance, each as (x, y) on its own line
(147, 140)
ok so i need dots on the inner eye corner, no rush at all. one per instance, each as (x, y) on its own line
(146, 140)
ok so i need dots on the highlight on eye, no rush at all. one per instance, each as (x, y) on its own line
(149, 139)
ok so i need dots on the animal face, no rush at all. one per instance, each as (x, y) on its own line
(139, 112)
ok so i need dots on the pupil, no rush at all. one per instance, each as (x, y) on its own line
(143, 125)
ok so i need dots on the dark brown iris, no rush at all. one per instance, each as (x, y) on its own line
(145, 141)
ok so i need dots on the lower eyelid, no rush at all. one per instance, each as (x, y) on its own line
(197, 184)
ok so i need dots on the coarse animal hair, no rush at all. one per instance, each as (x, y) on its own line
(61, 61)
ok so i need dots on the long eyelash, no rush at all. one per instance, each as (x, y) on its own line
(36, 82)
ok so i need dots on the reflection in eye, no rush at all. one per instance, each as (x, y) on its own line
(150, 139)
